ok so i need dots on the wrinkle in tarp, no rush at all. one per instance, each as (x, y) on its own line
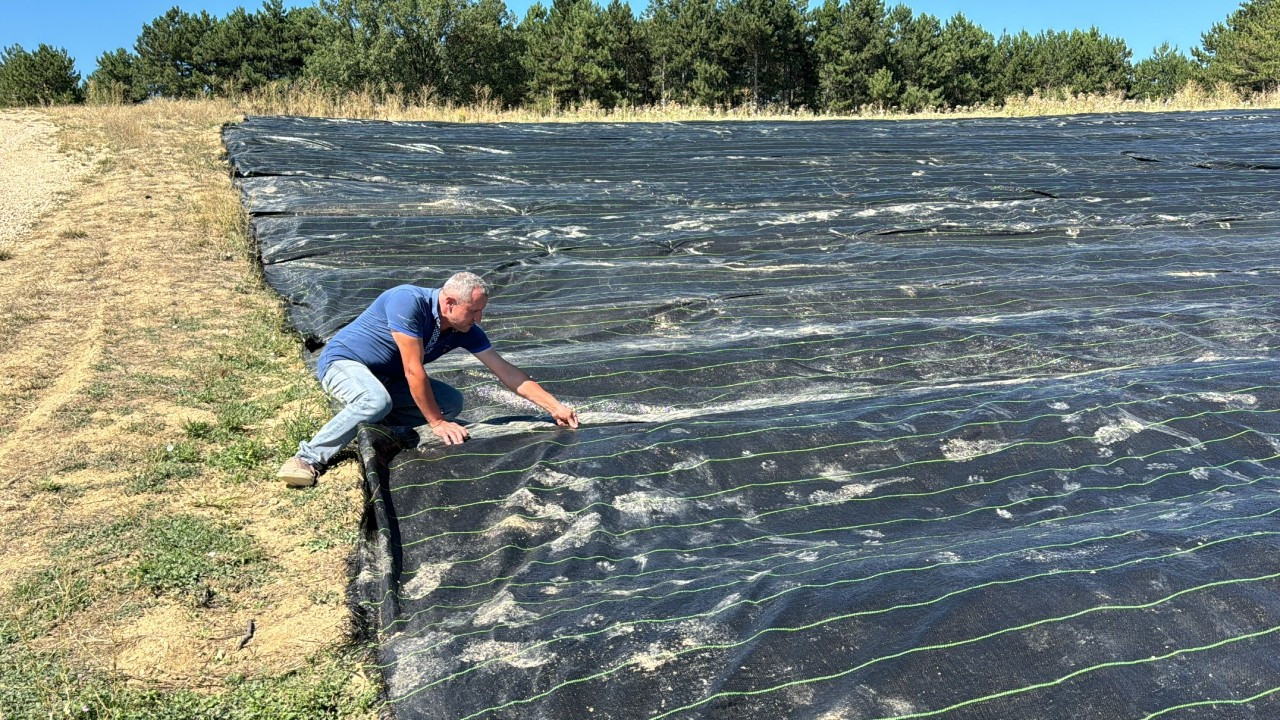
(963, 419)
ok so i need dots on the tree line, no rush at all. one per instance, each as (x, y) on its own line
(841, 56)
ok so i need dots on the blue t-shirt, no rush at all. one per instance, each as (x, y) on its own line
(407, 309)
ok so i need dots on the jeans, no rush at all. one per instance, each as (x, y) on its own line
(366, 399)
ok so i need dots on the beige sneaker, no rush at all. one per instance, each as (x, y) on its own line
(297, 472)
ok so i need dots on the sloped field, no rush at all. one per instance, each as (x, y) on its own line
(964, 419)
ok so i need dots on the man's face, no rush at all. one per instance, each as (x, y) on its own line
(461, 316)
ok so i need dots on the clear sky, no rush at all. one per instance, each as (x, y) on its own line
(87, 28)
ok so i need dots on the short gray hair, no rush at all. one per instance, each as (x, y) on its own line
(464, 285)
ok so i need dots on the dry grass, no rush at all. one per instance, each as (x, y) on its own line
(1191, 98)
(313, 100)
(150, 391)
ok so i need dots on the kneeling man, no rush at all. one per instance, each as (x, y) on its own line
(375, 366)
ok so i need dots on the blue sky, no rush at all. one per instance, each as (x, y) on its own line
(87, 29)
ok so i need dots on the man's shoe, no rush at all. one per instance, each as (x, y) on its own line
(297, 472)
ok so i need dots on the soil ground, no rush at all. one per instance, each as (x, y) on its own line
(148, 390)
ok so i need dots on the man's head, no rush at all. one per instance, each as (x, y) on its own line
(462, 301)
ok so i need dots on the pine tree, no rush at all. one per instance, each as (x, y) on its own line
(688, 62)
(1245, 51)
(481, 54)
(567, 59)
(231, 53)
(1097, 63)
(167, 55)
(800, 68)
(44, 76)
(883, 90)
(247, 50)
(630, 54)
(306, 29)
(381, 45)
(851, 45)
(1163, 74)
(1061, 61)
(115, 80)
(916, 45)
(965, 63)
(761, 40)
(1014, 68)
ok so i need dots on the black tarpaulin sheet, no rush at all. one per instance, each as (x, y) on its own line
(964, 419)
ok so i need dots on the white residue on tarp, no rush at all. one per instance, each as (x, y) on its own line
(557, 479)
(1235, 400)
(957, 449)
(501, 609)
(514, 654)
(424, 581)
(643, 505)
(419, 147)
(1118, 431)
(536, 509)
(483, 149)
(845, 492)
(801, 217)
(577, 534)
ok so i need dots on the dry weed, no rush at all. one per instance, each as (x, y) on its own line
(314, 100)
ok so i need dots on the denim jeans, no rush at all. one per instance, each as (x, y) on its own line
(366, 399)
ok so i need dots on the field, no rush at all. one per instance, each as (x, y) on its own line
(149, 389)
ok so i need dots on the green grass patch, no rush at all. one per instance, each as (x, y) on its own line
(99, 543)
(188, 555)
(296, 428)
(216, 389)
(98, 391)
(183, 452)
(145, 426)
(198, 430)
(238, 416)
(160, 477)
(185, 324)
(166, 465)
(53, 485)
(48, 484)
(237, 449)
(48, 597)
(165, 386)
(42, 685)
(240, 457)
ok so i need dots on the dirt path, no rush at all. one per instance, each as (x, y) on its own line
(32, 173)
(34, 179)
(125, 294)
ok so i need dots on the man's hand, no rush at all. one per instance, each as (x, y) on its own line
(565, 416)
(452, 433)
(519, 382)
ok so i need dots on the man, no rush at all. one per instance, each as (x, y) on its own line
(375, 366)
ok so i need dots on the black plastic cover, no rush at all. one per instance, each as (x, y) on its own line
(964, 419)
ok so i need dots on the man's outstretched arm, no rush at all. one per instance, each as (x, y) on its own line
(519, 382)
(419, 386)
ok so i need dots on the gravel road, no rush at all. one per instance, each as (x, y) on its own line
(32, 173)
